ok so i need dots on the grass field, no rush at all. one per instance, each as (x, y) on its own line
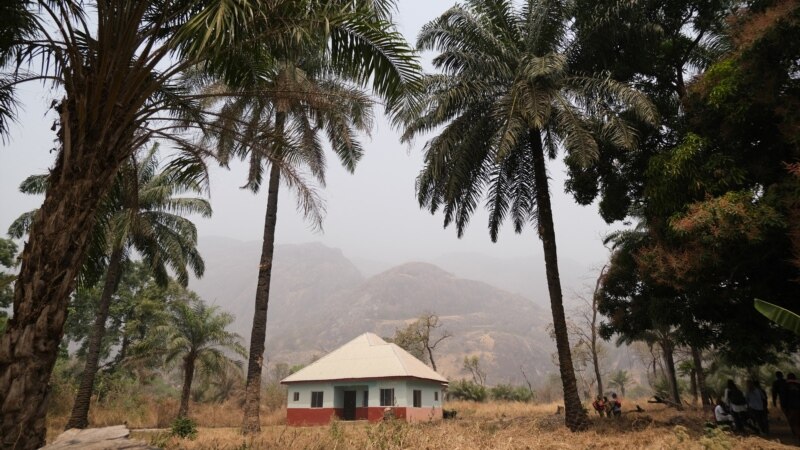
(478, 426)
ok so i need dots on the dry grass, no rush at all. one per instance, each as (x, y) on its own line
(479, 426)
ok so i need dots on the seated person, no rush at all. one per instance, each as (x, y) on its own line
(616, 405)
(599, 406)
(722, 416)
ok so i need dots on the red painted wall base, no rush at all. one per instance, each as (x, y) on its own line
(323, 416)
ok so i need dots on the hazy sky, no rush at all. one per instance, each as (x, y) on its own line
(372, 214)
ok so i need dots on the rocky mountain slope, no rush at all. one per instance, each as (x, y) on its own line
(320, 300)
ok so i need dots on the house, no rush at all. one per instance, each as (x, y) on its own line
(364, 379)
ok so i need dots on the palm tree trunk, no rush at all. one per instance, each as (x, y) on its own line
(252, 402)
(80, 409)
(51, 261)
(188, 376)
(705, 398)
(595, 356)
(574, 414)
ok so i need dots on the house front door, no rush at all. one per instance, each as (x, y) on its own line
(349, 412)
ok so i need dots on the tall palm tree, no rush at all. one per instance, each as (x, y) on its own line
(507, 101)
(119, 64)
(286, 126)
(144, 213)
(196, 336)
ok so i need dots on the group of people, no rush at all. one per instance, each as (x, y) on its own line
(608, 408)
(750, 409)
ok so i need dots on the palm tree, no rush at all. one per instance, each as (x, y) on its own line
(143, 214)
(119, 65)
(508, 100)
(196, 335)
(620, 379)
(286, 127)
(140, 213)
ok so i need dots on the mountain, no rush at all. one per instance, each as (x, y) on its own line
(320, 300)
(522, 275)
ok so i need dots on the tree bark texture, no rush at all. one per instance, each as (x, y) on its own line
(595, 357)
(252, 404)
(80, 409)
(188, 376)
(105, 87)
(574, 414)
(669, 365)
(51, 261)
(697, 358)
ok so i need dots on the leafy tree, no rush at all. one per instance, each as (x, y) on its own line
(472, 365)
(196, 336)
(620, 380)
(718, 204)
(8, 253)
(507, 100)
(121, 67)
(417, 339)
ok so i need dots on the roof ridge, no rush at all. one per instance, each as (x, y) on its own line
(397, 356)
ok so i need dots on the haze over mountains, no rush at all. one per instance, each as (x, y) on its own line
(320, 299)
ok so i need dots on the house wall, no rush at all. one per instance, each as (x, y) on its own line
(301, 413)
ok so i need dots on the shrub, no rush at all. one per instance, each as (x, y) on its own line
(184, 427)
(511, 393)
(467, 390)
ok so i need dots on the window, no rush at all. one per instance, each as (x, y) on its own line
(436, 396)
(387, 397)
(417, 399)
(366, 399)
(316, 399)
(296, 397)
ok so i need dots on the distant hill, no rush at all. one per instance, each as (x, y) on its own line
(320, 300)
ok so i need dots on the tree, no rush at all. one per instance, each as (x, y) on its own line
(142, 213)
(472, 365)
(196, 336)
(8, 253)
(120, 65)
(589, 332)
(416, 338)
(620, 380)
(307, 94)
(508, 99)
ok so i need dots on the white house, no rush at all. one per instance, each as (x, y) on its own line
(364, 379)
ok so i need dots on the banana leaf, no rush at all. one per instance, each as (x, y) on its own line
(782, 316)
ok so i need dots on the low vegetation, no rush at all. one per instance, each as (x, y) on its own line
(497, 425)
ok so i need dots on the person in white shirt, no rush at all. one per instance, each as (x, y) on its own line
(721, 415)
(737, 404)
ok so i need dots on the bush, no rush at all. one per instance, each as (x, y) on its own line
(184, 427)
(511, 393)
(467, 390)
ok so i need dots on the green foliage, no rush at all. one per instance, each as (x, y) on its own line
(8, 254)
(467, 390)
(507, 392)
(781, 316)
(184, 427)
(724, 77)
